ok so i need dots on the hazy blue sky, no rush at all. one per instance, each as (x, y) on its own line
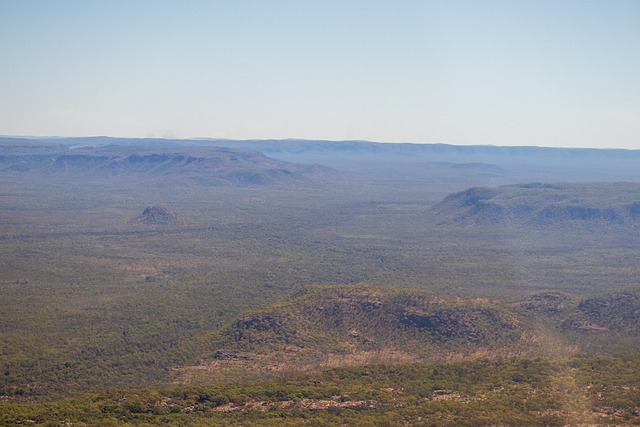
(552, 73)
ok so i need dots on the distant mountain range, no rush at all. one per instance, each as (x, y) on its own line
(213, 166)
(300, 146)
(507, 164)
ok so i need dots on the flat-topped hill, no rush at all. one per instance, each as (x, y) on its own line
(205, 166)
(543, 205)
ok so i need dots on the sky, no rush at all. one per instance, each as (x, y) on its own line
(545, 73)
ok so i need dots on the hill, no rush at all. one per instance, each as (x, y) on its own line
(210, 166)
(341, 326)
(158, 215)
(543, 205)
(344, 355)
(617, 311)
(326, 327)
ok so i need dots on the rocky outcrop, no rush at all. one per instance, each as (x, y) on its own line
(158, 215)
(548, 303)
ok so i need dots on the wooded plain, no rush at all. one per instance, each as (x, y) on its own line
(215, 282)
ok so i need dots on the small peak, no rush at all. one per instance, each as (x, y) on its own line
(158, 214)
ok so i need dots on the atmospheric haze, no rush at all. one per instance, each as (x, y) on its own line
(539, 73)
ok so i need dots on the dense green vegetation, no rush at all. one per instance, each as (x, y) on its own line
(574, 391)
(260, 286)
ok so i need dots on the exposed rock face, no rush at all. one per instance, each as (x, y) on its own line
(549, 303)
(618, 311)
(472, 324)
(582, 325)
(158, 214)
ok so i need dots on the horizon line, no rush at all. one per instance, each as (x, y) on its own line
(206, 138)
